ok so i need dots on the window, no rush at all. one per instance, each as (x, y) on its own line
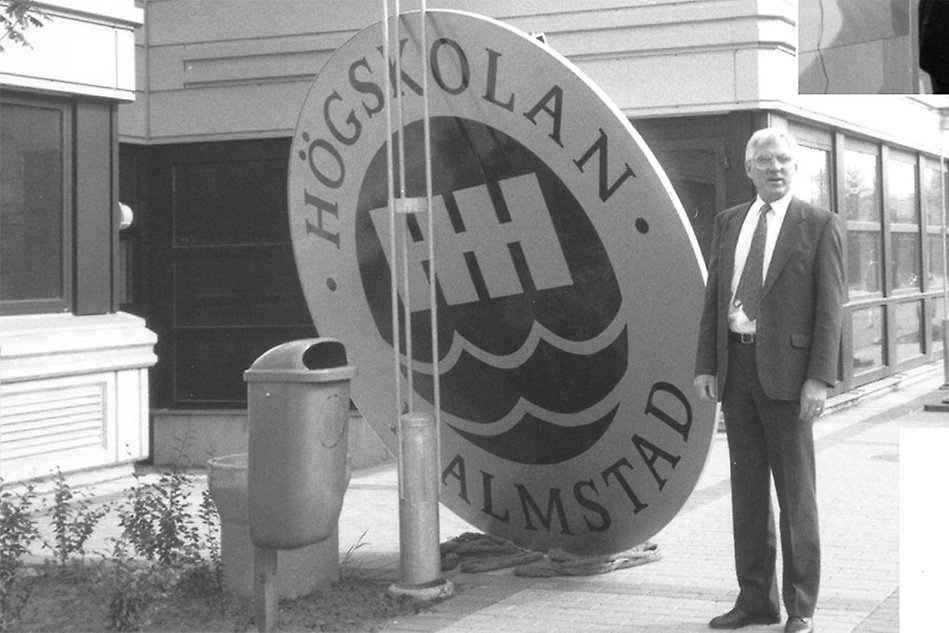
(904, 224)
(34, 228)
(932, 217)
(909, 330)
(812, 182)
(861, 207)
(890, 200)
(867, 327)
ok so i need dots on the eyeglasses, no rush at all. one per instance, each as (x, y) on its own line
(764, 162)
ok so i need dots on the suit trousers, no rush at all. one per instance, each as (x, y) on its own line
(767, 439)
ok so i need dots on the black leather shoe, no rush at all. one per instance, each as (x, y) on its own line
(799, 625)
(736, 619)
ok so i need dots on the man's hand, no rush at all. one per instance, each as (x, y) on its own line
(705, 385)
(813, 397)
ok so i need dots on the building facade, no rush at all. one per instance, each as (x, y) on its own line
(860, 47)
(73, 366)
(204, 148)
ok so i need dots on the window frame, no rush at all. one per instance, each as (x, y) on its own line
(892, 227)
(931, 230)
(815, 139)
(9, 307)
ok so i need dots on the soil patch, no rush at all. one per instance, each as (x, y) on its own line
(78, 602)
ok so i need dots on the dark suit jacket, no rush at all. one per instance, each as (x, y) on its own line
(799, 314)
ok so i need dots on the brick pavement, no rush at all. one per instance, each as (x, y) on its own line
(858, 472)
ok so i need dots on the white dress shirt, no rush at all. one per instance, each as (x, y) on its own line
(737, 320)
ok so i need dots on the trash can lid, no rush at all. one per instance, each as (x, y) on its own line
(304, 360)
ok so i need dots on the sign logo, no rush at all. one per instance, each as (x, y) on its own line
(568, 282)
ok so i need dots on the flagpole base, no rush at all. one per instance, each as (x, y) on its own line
(436, 590)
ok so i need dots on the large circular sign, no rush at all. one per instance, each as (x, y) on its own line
(568, 280)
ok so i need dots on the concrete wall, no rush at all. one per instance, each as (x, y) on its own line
(73, 393)
(74, 389)
(241, 68)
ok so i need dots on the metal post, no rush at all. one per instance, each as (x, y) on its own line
(266, 610)
(393, 277)
(418, 511)
(419, 550)
(943, 405)
(943, 120)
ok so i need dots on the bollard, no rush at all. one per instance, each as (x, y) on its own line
(419, 548)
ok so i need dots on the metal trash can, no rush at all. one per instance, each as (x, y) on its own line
(298, 413)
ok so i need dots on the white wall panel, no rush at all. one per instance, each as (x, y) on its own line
(219, 113)
(241, 68)
(84, 49)
(73, 392)
(65, 423)
(131, 440)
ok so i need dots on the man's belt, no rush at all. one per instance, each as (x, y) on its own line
(742, 337)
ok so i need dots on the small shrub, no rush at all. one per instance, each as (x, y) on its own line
(137, 589)
(157, 521)
(73, 519)
(17, 533)
(207, 575)
(158, 524)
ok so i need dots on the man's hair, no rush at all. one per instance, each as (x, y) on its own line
(764, 135)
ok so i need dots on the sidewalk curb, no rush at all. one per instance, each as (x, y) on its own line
(878, 388)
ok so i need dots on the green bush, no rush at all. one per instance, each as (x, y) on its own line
(17, 533)
(73, 519)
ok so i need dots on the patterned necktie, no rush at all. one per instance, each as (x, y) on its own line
(749, 286)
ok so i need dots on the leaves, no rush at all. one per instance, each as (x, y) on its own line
(73, 520)
(17, 18)
(17, 532)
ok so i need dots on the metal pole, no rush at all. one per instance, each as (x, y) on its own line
(418, 510)
(419, 453)
(436, 379)
(945, 264)
(406, 299)
(393, 276)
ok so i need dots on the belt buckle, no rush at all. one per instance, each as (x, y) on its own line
(746, 338)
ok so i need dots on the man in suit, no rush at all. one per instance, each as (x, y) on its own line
(768, 349)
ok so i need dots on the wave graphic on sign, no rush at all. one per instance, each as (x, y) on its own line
(560, 376)
(535, 441)
(540, 405)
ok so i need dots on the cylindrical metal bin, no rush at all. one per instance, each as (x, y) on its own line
(298, 412)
